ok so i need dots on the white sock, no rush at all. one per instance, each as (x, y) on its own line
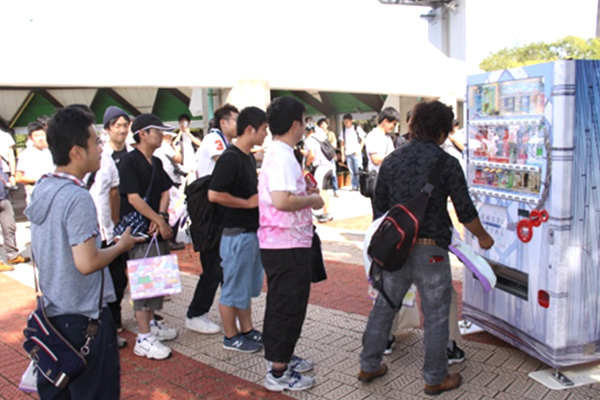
(142, 336)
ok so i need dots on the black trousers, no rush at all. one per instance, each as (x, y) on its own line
(212, 276)
(118, 273)
(100, 380)
(288, 278)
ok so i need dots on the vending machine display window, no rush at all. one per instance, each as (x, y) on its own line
(507, 137)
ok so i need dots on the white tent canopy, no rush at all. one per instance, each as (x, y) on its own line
(358, 46)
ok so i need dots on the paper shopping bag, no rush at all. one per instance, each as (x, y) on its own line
(153, 276)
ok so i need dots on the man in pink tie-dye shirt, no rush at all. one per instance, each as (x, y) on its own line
(285, 239)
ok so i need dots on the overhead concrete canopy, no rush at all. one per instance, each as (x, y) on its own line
(356, 46)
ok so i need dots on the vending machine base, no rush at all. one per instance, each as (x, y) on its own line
(567, 378)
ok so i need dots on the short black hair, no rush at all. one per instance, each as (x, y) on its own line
(250, 116)
(455, 123)
(35, 126)
(68, 127)
(347, 116)
(282, 112)
(389, 113)
(184, 116)
(320, 121)
(223, 113)
(430, 120)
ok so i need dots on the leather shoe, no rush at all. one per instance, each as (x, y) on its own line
(18, 260)
(367, 377)
(451, 381)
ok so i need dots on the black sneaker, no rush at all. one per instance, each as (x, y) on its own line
(455, 354)
(390, 346)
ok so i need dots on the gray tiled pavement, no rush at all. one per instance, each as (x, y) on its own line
(332, 339)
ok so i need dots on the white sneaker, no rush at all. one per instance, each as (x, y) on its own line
(290, 380)
(162, 331)
(152, 348)
(202, 324)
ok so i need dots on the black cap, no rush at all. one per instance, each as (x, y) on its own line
(147, 121)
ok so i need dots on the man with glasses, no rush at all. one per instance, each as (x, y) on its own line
(104, 188)
(138, 171)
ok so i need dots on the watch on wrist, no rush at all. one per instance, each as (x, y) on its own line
(165, 215)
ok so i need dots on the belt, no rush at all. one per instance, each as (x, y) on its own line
(236, 231)
(426, 242)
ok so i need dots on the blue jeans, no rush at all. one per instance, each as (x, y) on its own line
(100, 380)
(353, 162)
(434, 280)
(334, 181)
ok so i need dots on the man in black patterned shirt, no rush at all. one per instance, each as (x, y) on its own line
(401, 177)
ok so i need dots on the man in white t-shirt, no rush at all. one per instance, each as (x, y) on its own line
(7, 155)
(213, 145)
(351, 141)
(172, 158)
(218, 138)
(34, 161)
(323, 167)
(7, 215)
(379, 143)
(186, 143)
(455, 144)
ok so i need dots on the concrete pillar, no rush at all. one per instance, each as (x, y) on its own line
(250, 92)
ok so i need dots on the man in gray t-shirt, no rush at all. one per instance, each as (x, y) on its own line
(72, 267)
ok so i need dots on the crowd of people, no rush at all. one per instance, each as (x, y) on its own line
(136, 165)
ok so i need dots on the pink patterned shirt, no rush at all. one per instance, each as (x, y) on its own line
(280, 171)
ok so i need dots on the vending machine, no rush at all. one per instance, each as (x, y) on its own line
(533, 169)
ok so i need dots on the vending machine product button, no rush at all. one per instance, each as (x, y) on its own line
(525, 230)
(535, 217)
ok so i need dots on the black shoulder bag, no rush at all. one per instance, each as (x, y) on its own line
(134, 219)
(52, 355)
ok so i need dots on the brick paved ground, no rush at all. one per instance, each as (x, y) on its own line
(338, 310)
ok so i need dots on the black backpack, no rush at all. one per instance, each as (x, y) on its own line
(395, 238)
(327, 148)
(205, 217)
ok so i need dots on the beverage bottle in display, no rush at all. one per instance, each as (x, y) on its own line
(511, 179)
(525, 104)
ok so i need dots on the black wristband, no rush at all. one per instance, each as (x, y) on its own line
(165, 215)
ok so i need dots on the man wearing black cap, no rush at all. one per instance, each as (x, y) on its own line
(138, 170)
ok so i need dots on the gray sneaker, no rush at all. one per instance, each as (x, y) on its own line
(241, 343)
(297, 364)
(290, 380)
(300, 365)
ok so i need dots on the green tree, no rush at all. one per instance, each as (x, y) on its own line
(540, 52)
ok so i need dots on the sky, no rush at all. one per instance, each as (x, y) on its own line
(495, 24)
(342, 32)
